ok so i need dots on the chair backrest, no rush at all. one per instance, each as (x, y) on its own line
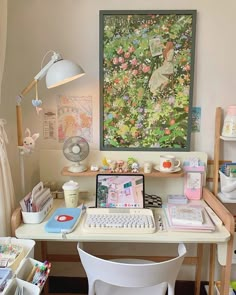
(131, 273)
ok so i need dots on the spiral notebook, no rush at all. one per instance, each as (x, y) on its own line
(64, 220)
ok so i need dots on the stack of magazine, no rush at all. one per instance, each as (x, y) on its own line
(188, 218)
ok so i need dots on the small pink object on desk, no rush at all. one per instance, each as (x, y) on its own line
(193, 179)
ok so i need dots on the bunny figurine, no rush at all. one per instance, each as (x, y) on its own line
(29, 141)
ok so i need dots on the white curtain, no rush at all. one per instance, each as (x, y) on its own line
(7, 195)
(3, 38)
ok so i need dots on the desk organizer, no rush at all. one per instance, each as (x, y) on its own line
(228, 186)
(38, 217)
(25, 277)
(26, 252)
(24, 247)
(29, 289)
(5, 275)
(11, 254)
(33, 272)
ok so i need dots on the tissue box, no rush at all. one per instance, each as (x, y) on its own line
(228, 186)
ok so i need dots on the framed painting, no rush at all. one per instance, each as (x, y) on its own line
(146, 79)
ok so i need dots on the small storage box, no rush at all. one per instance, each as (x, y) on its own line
(27, 249)
(38, 217)
(25, 273)
(228, 186)
(29, 289)
(5, 275)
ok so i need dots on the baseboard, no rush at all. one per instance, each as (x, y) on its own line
(80, 285)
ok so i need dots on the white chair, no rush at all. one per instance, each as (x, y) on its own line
(131, 276)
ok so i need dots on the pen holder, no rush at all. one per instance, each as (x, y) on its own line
(38, 217)
(31, 271)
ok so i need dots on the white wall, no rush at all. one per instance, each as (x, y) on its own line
(72, 28)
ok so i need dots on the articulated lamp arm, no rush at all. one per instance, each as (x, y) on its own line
(19, 112)
(58, 72)
(55, 57)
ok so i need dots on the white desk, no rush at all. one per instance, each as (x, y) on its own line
(222, 237)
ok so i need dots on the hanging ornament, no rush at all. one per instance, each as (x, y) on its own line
(37, 102)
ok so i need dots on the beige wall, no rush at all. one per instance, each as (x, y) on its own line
(71, 27)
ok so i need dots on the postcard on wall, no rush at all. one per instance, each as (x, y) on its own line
(49, 124)
(74, 115)
(196, 119)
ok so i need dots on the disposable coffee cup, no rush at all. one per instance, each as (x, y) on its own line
(71, 194)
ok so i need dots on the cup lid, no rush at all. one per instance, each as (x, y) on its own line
(70, 185)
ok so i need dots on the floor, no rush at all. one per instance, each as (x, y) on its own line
(78, 286)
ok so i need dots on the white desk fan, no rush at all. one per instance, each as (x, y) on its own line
(76, 149)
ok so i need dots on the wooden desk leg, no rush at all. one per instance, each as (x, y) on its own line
(44, 254)
(198, 269)
(212, 269)
(226, 269)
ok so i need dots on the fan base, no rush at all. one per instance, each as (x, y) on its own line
(77, 168)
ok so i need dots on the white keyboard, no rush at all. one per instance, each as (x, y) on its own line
(112, 220)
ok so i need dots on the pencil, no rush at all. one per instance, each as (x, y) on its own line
(31, 274)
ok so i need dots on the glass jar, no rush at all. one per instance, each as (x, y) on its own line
(229, 128)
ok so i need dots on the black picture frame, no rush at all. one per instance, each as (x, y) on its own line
(146, 79)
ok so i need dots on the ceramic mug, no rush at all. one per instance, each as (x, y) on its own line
(147, 167)
(168, 163)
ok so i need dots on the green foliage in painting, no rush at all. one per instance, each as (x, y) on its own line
(146, 80)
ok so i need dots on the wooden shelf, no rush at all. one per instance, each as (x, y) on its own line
(224, 199)
(154, 173)
(228, 138)
(217, 147)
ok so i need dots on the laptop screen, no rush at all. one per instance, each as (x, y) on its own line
(120, 191)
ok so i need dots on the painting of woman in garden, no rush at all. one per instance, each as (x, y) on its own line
(160, 77)
(146, 79)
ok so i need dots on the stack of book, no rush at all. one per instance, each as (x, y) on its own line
(188, 218)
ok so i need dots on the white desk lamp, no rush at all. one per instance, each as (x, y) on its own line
(57, 72)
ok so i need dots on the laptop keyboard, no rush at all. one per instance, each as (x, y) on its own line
(110, 220)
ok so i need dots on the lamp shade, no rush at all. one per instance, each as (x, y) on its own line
(61, 72)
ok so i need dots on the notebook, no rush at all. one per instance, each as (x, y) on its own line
(64, 220)
(120, 191)
(199, 224)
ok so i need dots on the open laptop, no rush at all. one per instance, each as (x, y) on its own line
(120, 191)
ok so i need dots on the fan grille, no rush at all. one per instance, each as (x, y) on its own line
(76, 148)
